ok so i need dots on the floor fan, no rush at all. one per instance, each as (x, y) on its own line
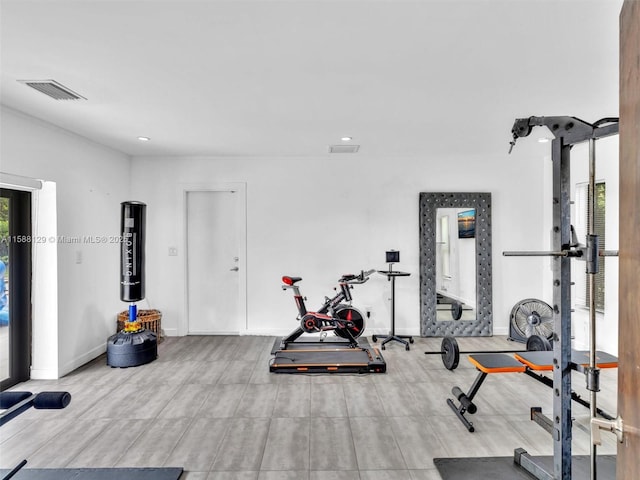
(530, 317)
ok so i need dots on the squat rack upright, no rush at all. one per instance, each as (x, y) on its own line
(567, 132)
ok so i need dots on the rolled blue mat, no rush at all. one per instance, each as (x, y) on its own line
(52, 400)
(9, 399)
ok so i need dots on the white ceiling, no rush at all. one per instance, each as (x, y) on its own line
(274, 78)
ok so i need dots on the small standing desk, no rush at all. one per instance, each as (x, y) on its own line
(391, 276)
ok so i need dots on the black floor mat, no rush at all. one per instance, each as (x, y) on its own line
(503, 468)
(95, 474)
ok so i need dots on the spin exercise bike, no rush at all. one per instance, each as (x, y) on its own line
(342, 353)
(346, 321)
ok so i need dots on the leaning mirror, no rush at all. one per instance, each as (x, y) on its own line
(455, 264)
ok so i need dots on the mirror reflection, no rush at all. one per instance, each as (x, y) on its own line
(455, 264)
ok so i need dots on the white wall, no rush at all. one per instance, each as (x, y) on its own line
(321, 217)
(313, 217)
(91, 181)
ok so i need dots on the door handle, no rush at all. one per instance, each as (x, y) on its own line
(234, 269)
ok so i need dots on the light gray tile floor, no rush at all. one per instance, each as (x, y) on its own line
(210, 405)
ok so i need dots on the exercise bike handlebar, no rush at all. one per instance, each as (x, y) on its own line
(362, 277)
(357, 279)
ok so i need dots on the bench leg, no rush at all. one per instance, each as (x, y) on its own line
(466, 401)
(460, 411)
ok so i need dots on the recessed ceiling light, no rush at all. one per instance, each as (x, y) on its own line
(544, 140)
(144, 139)
(346, 139)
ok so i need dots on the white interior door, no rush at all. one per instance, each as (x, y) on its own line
(213, 262)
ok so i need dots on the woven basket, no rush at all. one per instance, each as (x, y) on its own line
(149, 319)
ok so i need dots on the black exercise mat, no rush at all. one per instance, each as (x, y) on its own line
(503, 468)
(95, 474)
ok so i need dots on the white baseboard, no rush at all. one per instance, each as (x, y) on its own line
(44, 374)
(279, 332)
(173, 332)
(170, 332)
(70, 366)
(501, 331)
(83, 359)
(268, 332)
(385, 331)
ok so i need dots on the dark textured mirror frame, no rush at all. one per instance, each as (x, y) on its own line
(483, 325)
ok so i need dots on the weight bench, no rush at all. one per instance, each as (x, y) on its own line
(524, 362)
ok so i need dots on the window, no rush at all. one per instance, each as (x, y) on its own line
(445, 246)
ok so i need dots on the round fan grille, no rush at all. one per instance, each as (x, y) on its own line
(532, 317)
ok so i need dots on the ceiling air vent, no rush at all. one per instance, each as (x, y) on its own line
(343, 148)
(53, 89)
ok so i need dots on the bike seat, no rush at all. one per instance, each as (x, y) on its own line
(291, 280)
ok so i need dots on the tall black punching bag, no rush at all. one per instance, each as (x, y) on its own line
(132, 229)
(130, 348)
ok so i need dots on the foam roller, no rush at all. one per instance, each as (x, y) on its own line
(9, 399)
(464, 400)
(51, 400)
(20, 402)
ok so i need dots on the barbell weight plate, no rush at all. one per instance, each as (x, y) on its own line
(537, 343)
(456, 310)
(450, 353)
